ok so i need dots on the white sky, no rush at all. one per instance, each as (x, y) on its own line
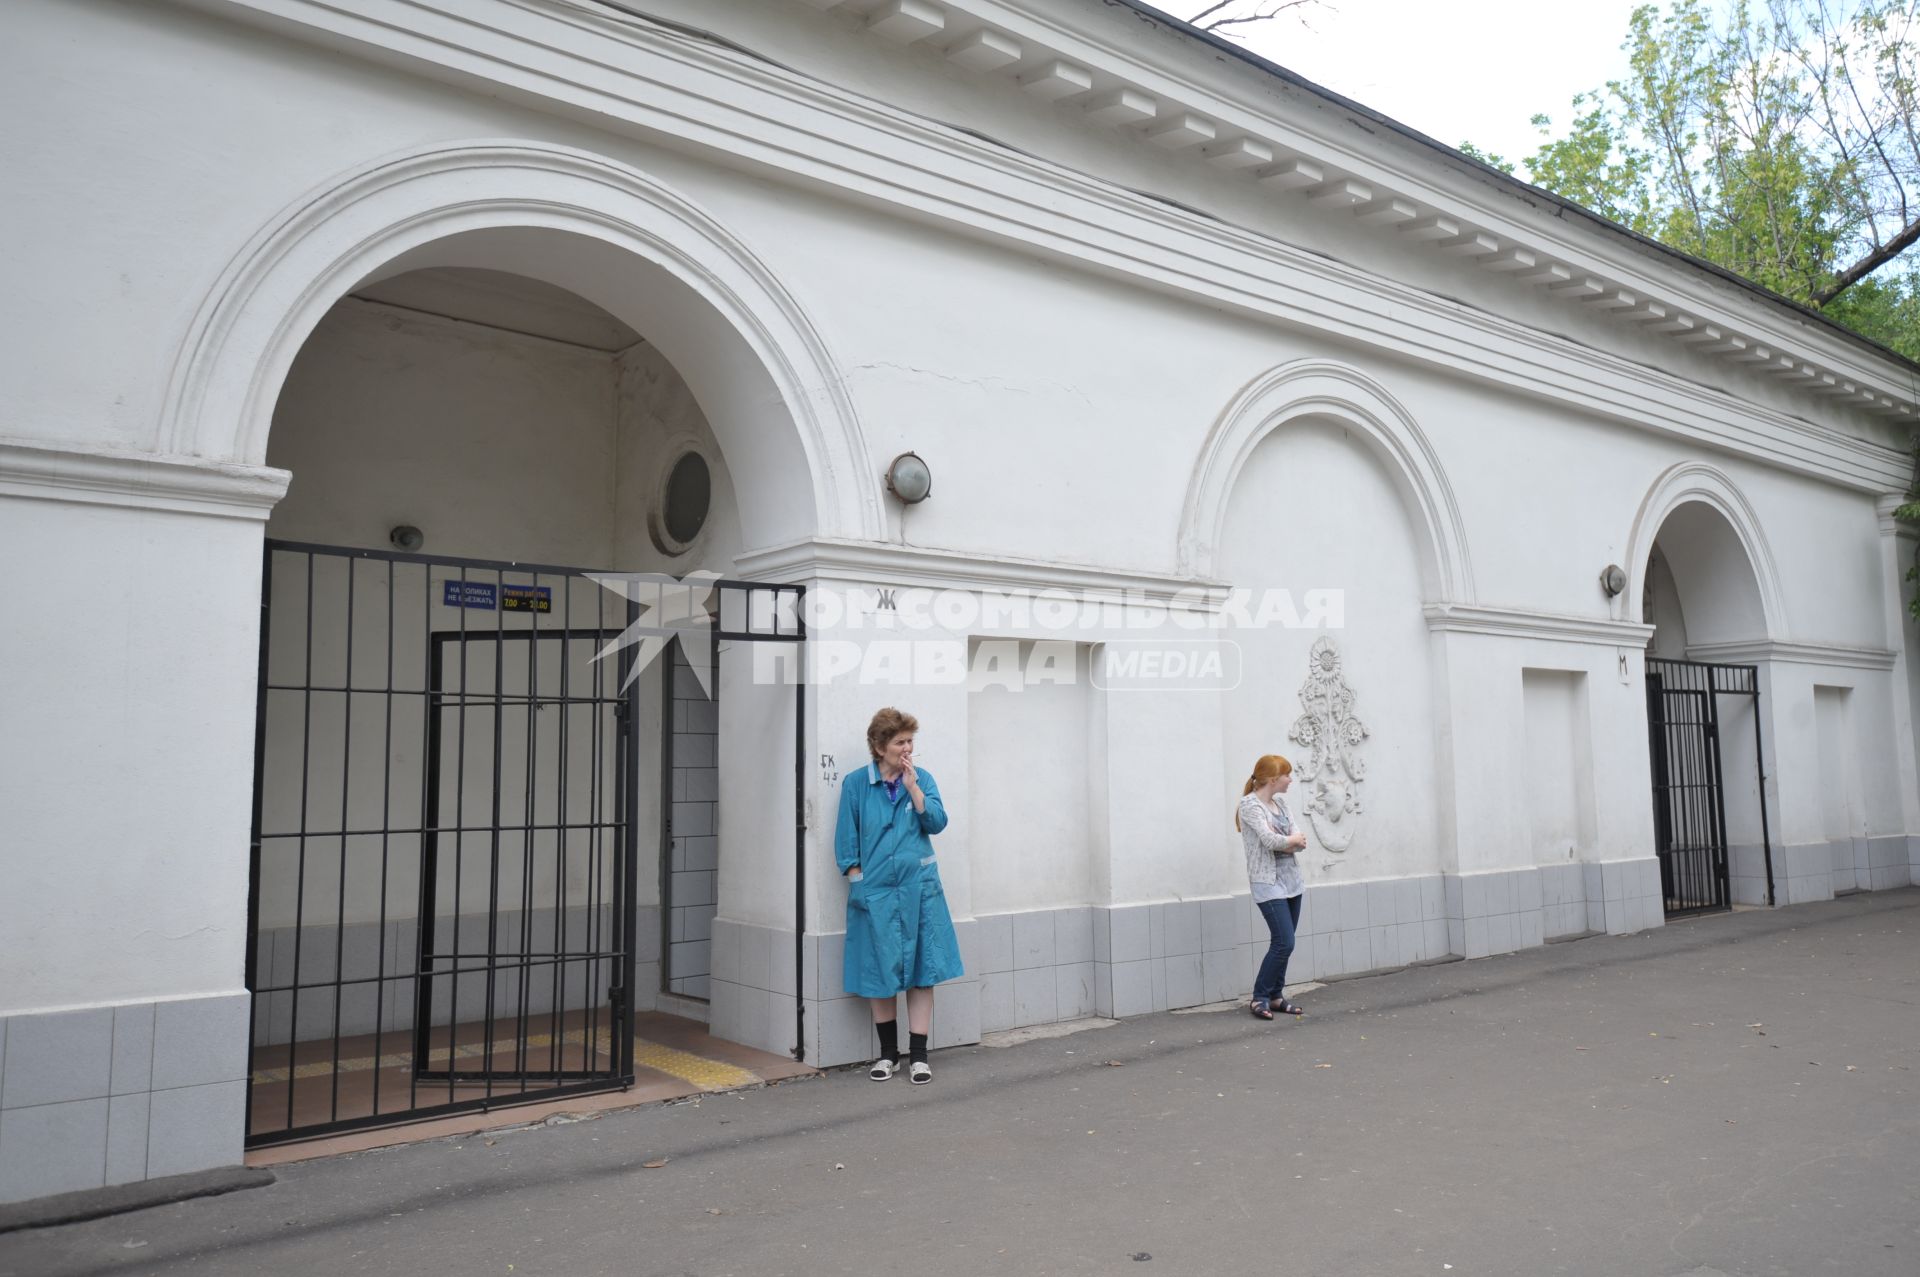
(1457, 70)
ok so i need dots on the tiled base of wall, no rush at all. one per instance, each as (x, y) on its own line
(1045, 966)
(1820, 870)
(113, 1095)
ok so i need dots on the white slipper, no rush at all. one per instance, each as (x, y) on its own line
(920, 1074)
(883, 1069)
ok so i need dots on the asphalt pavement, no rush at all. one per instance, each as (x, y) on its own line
(1734, 1094)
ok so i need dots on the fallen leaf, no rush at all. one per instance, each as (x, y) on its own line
(715, 1210)
(656, 1163)
(1116, 1064)
(1323, 1066)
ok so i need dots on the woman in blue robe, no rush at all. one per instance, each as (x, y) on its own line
(899, 934)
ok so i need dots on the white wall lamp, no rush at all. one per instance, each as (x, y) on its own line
(909, 478)
(1613, 579)
(407, 537)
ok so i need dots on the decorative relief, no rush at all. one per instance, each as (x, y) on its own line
(1327, 729)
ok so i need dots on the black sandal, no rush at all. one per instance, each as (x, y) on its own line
(1285, 1007)
(1260, 1010)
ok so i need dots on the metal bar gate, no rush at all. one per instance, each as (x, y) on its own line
(442, 903)
(1689, 803)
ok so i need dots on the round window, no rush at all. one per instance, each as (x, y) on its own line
(683, 505)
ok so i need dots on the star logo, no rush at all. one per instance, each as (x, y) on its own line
(670, 607)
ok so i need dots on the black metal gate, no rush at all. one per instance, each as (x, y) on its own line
(441, 912)
(446, 826)
(1689, 804)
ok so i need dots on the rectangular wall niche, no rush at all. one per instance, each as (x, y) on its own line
(1561, 826)
(1030, 758)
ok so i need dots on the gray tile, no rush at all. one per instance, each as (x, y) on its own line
(1183, 928)
(756, 957)
(1406, 900)
(1035, 997)
(65, 1055)
(202, 1040)
(1073, 990)
(832, 966)
(1456, 937)
(1157, 932)
(1072, 936)
(1383, 903)
(1474, 894)
(1102, 935)
(993, 940)
(1157, 971)
(127, 1117)
(1433, 898)
(1383, 944)
(1406, 939)
(1353, 906)
(1183, 979)
(1129, 927)
(956, 1014)
(1434, 937)
(780, 970)
(1528, 891)
(1477, 938)
(1103, 989)
(996, 1001)
(1500, 893)
(133, 1050)
(1356, 951)
(1222, 974)
(1133, 988)
(1532, 929)
(1502, 936)
(55, 1148)
(1033, 941)
(846, 1031)
(3, 1055)
(1222, 923)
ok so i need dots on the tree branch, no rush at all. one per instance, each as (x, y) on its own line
(1870, 263)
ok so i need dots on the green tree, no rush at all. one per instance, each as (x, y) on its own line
(1780, 141)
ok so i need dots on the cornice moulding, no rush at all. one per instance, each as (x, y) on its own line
(1889, 526)
(139, 480)
(1583, 248)
(698, 94)
(884, 563)
(1762, 650)
(1520, 623)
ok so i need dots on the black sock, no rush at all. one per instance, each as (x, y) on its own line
(917, 1048)
(889, 1039)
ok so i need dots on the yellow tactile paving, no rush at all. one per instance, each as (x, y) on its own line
(707, 1074)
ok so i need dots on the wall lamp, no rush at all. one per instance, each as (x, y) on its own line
(909, 478)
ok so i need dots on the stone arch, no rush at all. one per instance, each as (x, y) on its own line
(1330, 391)
(1723, 564)
(602, 229)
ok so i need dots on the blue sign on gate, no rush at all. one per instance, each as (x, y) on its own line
(475, 594)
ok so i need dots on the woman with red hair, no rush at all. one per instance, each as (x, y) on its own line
(1271, 843)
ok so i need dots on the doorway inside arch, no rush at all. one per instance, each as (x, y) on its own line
(462, 768)
(1706, 751)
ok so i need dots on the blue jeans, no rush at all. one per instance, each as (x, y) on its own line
(1282, 916)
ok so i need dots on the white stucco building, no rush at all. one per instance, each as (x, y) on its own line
(1165, 324)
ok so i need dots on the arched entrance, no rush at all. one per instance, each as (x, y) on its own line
(1704, 580)
(485, 836)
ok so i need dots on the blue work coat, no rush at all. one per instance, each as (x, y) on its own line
(899, 933)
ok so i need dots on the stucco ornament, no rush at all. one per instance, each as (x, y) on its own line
(1331, 735)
